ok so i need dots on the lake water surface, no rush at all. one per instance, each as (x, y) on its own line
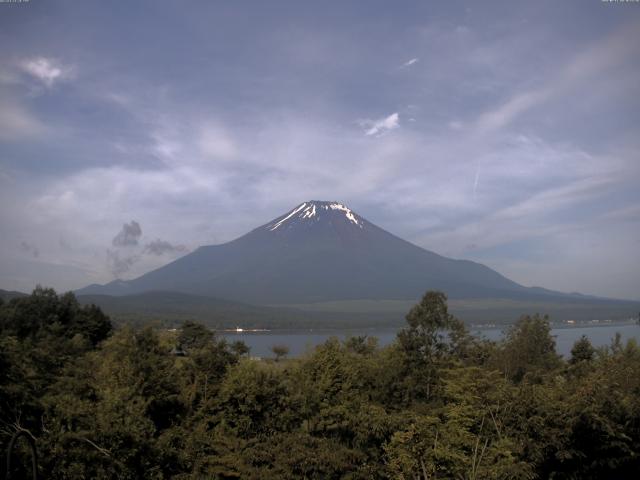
(300, 342)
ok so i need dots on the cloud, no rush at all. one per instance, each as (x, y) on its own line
(30, 249)
(160, 247)
(602, 56)
(16, 122)
(46, 70)
(507, 112)
(165, 147)
(475, 182)
(410, 62)
(8, 77)
(128, 236)
(215, 142)
(119, 265)
(384, 124)
(232, 142)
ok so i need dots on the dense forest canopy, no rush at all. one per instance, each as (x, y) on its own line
(100, 402)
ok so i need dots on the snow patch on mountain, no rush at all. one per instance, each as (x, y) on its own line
(348, 212)
(293, 212)
(309, 212)
(314, 209)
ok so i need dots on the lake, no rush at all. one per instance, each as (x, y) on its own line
(300, 342)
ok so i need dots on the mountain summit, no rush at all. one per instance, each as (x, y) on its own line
(320, 251)
(316, 211)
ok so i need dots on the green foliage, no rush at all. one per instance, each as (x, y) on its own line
(466, 437)
(207, 361)
(582, 351)
(116, 404)
(40, 335)
(437, 403)
(363, 344)
(425, 345)
(300, 455)
(529, 348)
(253, 400)
(280, 351)
(194, 336)
(240, 348)
(44, 312)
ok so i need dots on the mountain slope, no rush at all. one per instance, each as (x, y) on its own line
(172, 308)
(7, 295)
(320, 251)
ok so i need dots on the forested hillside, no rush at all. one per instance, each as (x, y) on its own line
(437, 403)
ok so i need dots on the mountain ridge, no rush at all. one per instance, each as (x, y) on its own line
(321, 251)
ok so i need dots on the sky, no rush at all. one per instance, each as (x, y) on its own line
(501, 132)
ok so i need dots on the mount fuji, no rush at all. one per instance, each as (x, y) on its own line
(320, 252)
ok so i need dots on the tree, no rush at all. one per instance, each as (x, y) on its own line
(280, 351)
(605, 416)
(361, 344)
(529, 347)
(253, 400)
(205, 368)
(582, 351)
(289, 456)
(106, 416)
(424, 341)
(40, 335)
(206, 363)
(465, 437)
(45, 313)
(194, 335)
(240, 348)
